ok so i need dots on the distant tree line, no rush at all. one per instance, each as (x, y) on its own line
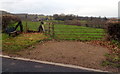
(64, 17)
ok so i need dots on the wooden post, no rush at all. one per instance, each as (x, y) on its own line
(53, 34)
(26, 23)
(49, 29)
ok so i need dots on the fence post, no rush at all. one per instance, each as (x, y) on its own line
(53, 34)
(26, 23)
(49, 29)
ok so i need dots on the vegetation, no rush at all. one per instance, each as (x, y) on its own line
(12, 44)
(64, 17)
(67, 27)
(114, 55)
(73, 32)
(31, 25)
(113, 31)
(61, 32)
(113, 58)
(68, 32)
(8, 21)
(65, 32)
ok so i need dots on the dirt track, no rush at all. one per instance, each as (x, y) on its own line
(69, 52)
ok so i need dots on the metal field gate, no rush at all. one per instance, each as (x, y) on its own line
(61, 31)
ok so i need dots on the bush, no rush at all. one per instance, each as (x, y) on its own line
(8, 20)
(113, 31)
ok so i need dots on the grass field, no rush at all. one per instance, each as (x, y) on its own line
(31, 25)
(73, 32)
(66, 32)
(69, 32)
(23, 40)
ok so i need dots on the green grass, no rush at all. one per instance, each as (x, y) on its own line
(31, 25)
(70, 32)
(4, 36)
(67, 32)
(112, 60)
(73, 32)
(21, 41)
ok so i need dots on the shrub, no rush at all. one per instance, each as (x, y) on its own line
(113, 31)
(8, 20)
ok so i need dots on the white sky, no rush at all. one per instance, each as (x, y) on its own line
(107, 8)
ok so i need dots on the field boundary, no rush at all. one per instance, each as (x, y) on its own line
(52, 63)
(58, 31)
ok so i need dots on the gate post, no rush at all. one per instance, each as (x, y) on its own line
(26, 23)
(53, 32)
(49, 29)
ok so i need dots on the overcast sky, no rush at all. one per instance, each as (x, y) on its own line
(107, 8)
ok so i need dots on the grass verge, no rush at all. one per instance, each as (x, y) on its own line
(12, 44)
(113, 58)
